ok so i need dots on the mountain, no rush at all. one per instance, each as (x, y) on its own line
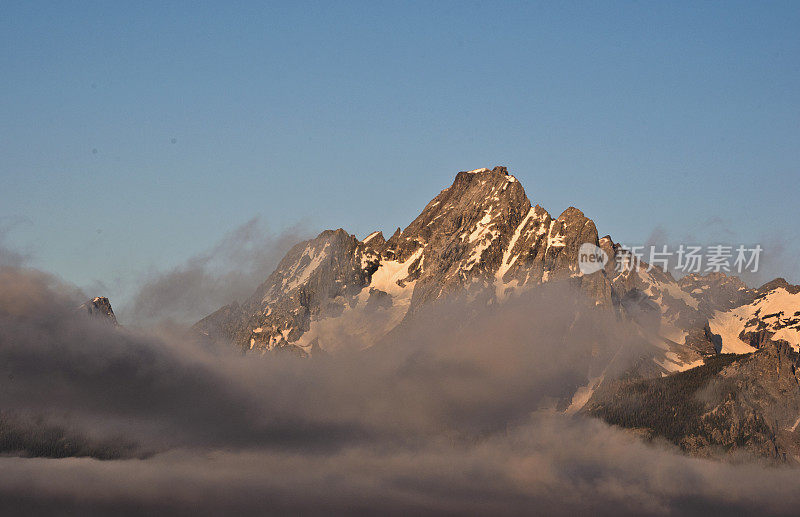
(479, 237)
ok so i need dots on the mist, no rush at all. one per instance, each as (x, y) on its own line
(229, 271)
(777, 259)
(459, 413)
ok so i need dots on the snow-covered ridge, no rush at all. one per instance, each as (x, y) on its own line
(776, 312)
(371, 236)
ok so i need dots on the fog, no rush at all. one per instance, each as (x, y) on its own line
(459, 413)
(227, 271)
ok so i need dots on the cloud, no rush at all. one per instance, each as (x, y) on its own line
(230, 270)
(550, 464)
(456, 414)
(779, 257)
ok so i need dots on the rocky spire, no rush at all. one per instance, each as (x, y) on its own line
(99, 308)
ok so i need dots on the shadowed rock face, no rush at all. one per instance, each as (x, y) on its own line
(100, 309)
(733, 404)
(776, 284)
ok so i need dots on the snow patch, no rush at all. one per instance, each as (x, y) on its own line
(508, 260)
(482, 228)
(390, 272)
(356, 329)
(556, 241)
(728, 325)
(370, 237)
(300, 274)
(582, 395)
(672, 363)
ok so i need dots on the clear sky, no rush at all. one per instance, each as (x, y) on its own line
(135, 135)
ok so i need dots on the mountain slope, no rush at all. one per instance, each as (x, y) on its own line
(732, 404)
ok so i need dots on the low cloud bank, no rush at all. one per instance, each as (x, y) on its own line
(456, 414)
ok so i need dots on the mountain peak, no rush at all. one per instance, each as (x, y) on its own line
(99, 308)
(479, 234)
(779, 282)
(499, 170)
(571, 212)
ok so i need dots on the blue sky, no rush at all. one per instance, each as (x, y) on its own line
(135, 135)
